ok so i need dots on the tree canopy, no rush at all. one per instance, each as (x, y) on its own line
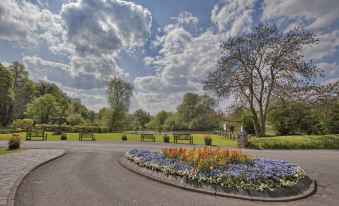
(259, 67)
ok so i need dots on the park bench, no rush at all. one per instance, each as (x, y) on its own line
(184, 136)
(147, 136)
(84, 135)
(40, 134)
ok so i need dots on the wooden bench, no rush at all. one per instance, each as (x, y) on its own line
(40, 134)
(83, 135)
(183, 137)
(147, 136)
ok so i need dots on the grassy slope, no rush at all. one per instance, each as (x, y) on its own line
(297, 142)
(197, 138)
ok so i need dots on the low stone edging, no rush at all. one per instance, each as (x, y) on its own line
(305, 188)
(11, 195)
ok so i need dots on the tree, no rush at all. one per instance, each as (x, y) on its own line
(6, 96)
(197, 112)
(119, 93)
(160, 119)
(263, 65)
(141, 118)
(23, 88)
(44, 108)
(75, 119)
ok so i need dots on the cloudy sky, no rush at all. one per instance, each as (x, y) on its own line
(164, 48)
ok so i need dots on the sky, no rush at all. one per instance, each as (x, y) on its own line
(163, 48)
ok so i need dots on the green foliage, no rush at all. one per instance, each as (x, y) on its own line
(141, 119)
(44, 108)
(197, 113)
(296, 142)
(68, 128)
(124, 137)
(248, 125)
(23, 88)
(321, 117)
(63, 136)
(119, 93)
(6, 96)
(75, 119)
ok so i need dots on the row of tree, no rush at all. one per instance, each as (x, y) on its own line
(43, 102)
(194, 113)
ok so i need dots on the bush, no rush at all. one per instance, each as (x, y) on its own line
(208, 140)
(124, 137)
(14, 142)
(166, 138)
(63, 136)
(18, 123)
(68, 128)
(248, 126)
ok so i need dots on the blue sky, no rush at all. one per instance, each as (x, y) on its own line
(163, 48)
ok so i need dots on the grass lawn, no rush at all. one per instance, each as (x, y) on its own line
(197, 138)
(6, 151)
(296, 142)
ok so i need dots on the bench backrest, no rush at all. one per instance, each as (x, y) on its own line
(147, 135)
(86, 135)
(182, 136)
(35, 133)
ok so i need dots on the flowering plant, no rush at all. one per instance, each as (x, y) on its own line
(219, 166)
(14, 142)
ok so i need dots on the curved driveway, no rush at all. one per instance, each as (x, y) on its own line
(89, 174)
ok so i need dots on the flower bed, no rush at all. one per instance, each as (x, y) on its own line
(232, 169)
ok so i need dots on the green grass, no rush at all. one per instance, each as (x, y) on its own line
(197, 138)
(296, 142)
(6, 151)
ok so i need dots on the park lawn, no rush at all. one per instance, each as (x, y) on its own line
(197, 138)
(296, 142)
(6, 151)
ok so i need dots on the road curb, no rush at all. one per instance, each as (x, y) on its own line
(310, 191)
(11, 196)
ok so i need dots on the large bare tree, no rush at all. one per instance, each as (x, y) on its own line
(259, 67)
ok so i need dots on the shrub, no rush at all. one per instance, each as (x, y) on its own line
(68, 128)
(18, 123)
(248, 126)
(166, 138)
(14, 142)
(63, 136)
(208, 140)
(124, 137)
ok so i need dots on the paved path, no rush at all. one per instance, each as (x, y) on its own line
(13, 166)
(89, 174)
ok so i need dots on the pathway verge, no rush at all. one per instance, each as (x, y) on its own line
(16, 166)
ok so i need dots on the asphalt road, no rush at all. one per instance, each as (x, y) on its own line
(89, 174)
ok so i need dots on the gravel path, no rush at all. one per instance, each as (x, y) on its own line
(13, 166)
(89, 174)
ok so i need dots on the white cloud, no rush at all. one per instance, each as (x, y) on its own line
(318, 13)
(327, 46)
(105, 26)
(184, 59)
(23, 22)
(182, 64)
(40, 69)
(99, 30)
(233, 16)
(330, 69)
(185, 17)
